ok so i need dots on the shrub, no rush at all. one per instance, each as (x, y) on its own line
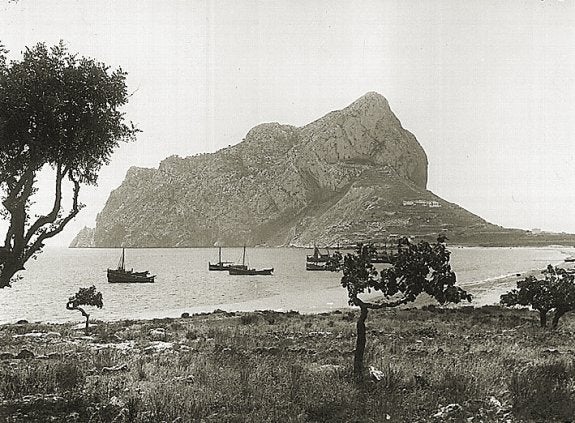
(249, 319)
(543, 391)
(556, 291)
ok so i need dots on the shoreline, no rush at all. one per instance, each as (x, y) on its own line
(306, 297)
(485, 292)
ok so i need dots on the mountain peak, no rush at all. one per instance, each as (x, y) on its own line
(353, 174)
(371, 99)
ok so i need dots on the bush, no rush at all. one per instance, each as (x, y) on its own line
(249, 319)
(41, 377)
(543, 391)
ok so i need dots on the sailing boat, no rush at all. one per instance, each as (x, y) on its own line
(121, 275)
(223, 265)
(317, 256)
(244, 270)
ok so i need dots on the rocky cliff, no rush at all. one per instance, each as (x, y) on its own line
(84, 238)
(354, 174)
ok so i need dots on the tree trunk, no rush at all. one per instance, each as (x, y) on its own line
(87, 317)
(5, 277)
(543, 318)
(71, 306)
(360, 345)
(9, 269)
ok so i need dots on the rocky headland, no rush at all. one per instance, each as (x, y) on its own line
(353, 175)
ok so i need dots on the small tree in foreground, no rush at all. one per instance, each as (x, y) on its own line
(59, 113)
(418, 268)
(555, 292)
(85, 297)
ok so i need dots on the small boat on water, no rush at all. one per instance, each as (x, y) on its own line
(317, 256)
(570, 259)
(243, 269)
(318, 261)
(121, 275)
(319, 266)
(223, 265)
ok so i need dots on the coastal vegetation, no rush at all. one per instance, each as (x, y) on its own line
(554, 292)
(85, 297)
(417, 268)
(59, 113)
(489, 364)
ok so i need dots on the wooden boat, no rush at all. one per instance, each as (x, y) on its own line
(332, 264)
(240, 271)
(243, 269)
(570, 259)
(317, 256)
(121, 275)
(223, 265)
(316, 266)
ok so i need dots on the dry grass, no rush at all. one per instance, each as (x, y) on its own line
(496, 364)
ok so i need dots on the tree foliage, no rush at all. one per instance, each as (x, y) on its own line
(417, 268)
(554, 292)
(60, 111)
(85, 297)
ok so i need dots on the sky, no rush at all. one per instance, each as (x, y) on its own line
(486, 86)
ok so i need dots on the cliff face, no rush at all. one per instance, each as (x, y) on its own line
(352, 175)
(84, 238)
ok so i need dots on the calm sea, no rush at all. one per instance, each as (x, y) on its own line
(184, 284)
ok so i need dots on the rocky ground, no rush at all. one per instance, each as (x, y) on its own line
(466, 364)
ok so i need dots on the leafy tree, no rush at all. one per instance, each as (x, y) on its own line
(555, 292)
(85, 297)
(418, 268)
(60, 112)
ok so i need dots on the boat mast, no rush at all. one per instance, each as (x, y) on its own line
(244, 256)
(121, 263)
(220, 255)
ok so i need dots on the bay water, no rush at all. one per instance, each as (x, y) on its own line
(184, 284)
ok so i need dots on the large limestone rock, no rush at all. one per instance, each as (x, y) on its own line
(84, 238)
(354, 174)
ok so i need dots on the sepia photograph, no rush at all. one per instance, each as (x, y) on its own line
(287, 211)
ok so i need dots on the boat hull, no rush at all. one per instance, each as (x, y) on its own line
(252, 272)
(123, 276)
(318, 267)
(224, 266)
(320, 259)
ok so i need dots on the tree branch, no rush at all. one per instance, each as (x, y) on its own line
(53, 215)
(363, 304)
(14, 205)
(17, 208)
(70, 306)
(39, 242)
(12, 198)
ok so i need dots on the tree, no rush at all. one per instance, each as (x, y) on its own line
(417, 268)
(555, 292)
(85, 297)
(57, 112)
